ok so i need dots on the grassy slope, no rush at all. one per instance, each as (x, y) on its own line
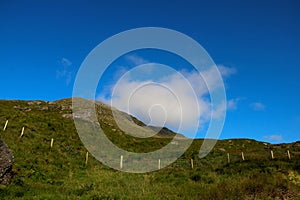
(61, 172)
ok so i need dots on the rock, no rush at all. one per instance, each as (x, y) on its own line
(26, 109)
(30, 103)
(65, 108)
(44, 108)
(222, 149)
(6, 163)
(68, 116)
(276, 146)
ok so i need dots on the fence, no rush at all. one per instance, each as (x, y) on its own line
(219, 157)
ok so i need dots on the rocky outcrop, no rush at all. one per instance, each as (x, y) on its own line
(6, 163)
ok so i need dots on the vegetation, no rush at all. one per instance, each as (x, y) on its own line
(60, 172)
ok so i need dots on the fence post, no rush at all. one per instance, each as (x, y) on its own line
(51, 144)
(158, 163)
(192, 163)
(272, 154)
(22, 133)
(5, 125)
(289, 155)
(243, 156)
(228, 157)
(86, 157)
(121, 162)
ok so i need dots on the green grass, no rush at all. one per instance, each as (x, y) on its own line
(41, 172)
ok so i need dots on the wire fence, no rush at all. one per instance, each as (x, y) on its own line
(221, 159)
(218, 158)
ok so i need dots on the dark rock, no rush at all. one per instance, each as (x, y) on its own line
(6, 163)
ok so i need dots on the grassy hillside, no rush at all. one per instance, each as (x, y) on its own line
(60, 172)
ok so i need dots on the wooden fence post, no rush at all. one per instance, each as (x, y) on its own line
(243, 156)
(289, 155)
(51, 144)
(192, 163)
(158, 163)
(5, 125)
(272, 154)
(121, 162)
(228, 157)
(86, 157)
(22, 133)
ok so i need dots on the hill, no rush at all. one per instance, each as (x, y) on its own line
(61, 172)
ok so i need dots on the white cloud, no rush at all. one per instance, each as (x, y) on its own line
(65, 62)
(257, 106)
(64, 72)
(155, 103)
(226, 71)
(136, 60)
(232, 103)
(275, 137)
(171, 99)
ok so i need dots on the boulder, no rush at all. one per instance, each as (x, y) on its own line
(6, 163)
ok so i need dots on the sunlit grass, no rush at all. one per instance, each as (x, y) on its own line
(60, 172)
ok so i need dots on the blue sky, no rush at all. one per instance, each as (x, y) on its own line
(43, 44)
